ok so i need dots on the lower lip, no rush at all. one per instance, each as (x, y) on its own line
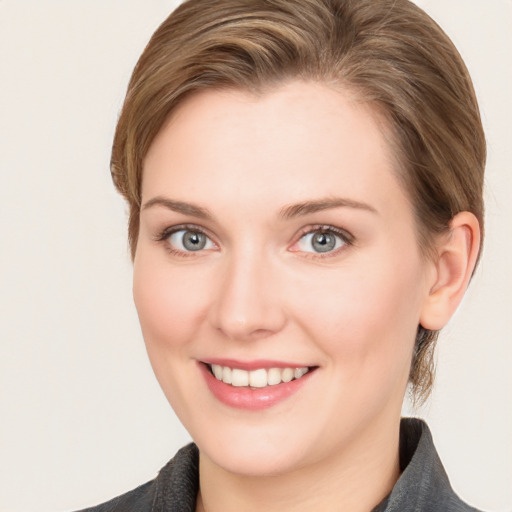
(253, 399)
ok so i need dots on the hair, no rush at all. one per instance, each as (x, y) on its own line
(390, 53)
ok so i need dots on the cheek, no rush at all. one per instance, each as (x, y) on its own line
(168, 302)
(366, 321)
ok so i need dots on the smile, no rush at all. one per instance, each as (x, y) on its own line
(259, 378)
(260, 385)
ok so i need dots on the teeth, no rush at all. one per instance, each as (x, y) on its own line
(287, 374)
(226, 375)
(299, 372)
(257, 378)
(217, 371)
(273, 376)
(239, 378)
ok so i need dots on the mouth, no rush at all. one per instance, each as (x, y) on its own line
(257, 378)
(254, 385)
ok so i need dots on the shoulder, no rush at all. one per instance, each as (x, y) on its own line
(137, 500)
(423, 485)
(174, 489)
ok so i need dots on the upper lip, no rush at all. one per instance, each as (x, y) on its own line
(255, 364)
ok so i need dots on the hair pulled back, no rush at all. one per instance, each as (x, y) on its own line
(390, 53)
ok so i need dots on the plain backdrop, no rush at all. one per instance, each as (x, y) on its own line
(82, 417)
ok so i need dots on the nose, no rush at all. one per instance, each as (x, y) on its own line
(247, 305)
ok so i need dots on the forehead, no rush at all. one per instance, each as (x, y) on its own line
(293, 142)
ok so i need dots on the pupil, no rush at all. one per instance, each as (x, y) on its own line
(194, 241)
(323, 242)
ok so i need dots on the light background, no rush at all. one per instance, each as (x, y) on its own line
(82, 417)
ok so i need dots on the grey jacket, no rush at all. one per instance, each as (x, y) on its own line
(422, 487)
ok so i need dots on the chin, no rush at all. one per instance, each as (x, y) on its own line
(254, 459)
(251, 448)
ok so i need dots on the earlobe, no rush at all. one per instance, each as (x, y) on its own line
(457, 253)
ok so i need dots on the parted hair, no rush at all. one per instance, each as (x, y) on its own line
(389, 53)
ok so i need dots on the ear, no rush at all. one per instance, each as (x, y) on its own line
(457, 253)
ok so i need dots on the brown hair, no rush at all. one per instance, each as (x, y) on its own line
(389, 52)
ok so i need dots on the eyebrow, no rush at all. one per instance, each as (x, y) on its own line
(179, 207)
(288, 212)
(309, 207)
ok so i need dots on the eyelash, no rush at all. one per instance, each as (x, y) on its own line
(346, 237)
(164, 235)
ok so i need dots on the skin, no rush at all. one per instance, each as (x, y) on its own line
(260, 291)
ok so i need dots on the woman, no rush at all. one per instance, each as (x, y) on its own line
(305, 189)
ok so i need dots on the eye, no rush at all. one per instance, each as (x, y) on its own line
(189, 240)
(322, 241)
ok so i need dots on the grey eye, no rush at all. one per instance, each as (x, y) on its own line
(189, 241)
(320, 242)
(323, 242)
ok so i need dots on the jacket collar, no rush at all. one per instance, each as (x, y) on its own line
(423, 485)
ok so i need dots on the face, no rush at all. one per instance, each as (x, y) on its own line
(277, 243)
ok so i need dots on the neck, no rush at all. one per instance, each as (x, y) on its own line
(355, 479)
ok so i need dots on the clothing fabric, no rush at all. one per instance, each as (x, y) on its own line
(422, 487)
